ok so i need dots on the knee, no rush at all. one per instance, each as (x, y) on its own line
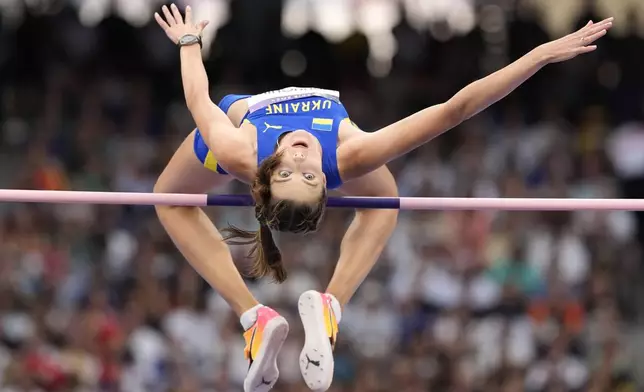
(384, 219)
(159, 187)
(389, 218)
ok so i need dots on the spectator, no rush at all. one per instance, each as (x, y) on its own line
(97, 299)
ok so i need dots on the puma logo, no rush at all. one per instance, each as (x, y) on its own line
(269, 126)
(311, 362)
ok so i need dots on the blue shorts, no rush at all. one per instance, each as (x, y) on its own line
(201, 148)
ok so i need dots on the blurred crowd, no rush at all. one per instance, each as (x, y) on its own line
(96, 298)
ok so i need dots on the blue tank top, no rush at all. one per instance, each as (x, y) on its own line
(317, 115)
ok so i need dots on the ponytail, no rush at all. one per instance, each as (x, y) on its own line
(266, 256)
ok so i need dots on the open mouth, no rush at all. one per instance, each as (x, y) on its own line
(300, 144)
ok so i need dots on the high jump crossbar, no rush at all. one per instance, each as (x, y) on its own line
(401, 203)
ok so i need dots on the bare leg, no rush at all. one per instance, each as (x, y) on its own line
(192, 231)
(356, 261)
(366, 237)
(360, 249)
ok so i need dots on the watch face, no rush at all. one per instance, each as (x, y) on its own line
(188, 39)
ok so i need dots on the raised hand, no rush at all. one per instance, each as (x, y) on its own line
(174, 24)
(574, 44)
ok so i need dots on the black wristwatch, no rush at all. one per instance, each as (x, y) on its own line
(190, 39)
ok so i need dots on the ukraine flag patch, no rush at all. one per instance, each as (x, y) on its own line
(322, 124)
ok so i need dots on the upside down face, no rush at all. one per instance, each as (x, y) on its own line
(299, 176)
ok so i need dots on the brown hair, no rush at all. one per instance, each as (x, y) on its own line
(282, 215)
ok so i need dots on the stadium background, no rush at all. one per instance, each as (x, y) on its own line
(96, 298)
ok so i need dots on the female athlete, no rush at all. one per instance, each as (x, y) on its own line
(291, 146)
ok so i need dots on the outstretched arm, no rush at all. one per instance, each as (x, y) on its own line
(363, 155)
(211, 121)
